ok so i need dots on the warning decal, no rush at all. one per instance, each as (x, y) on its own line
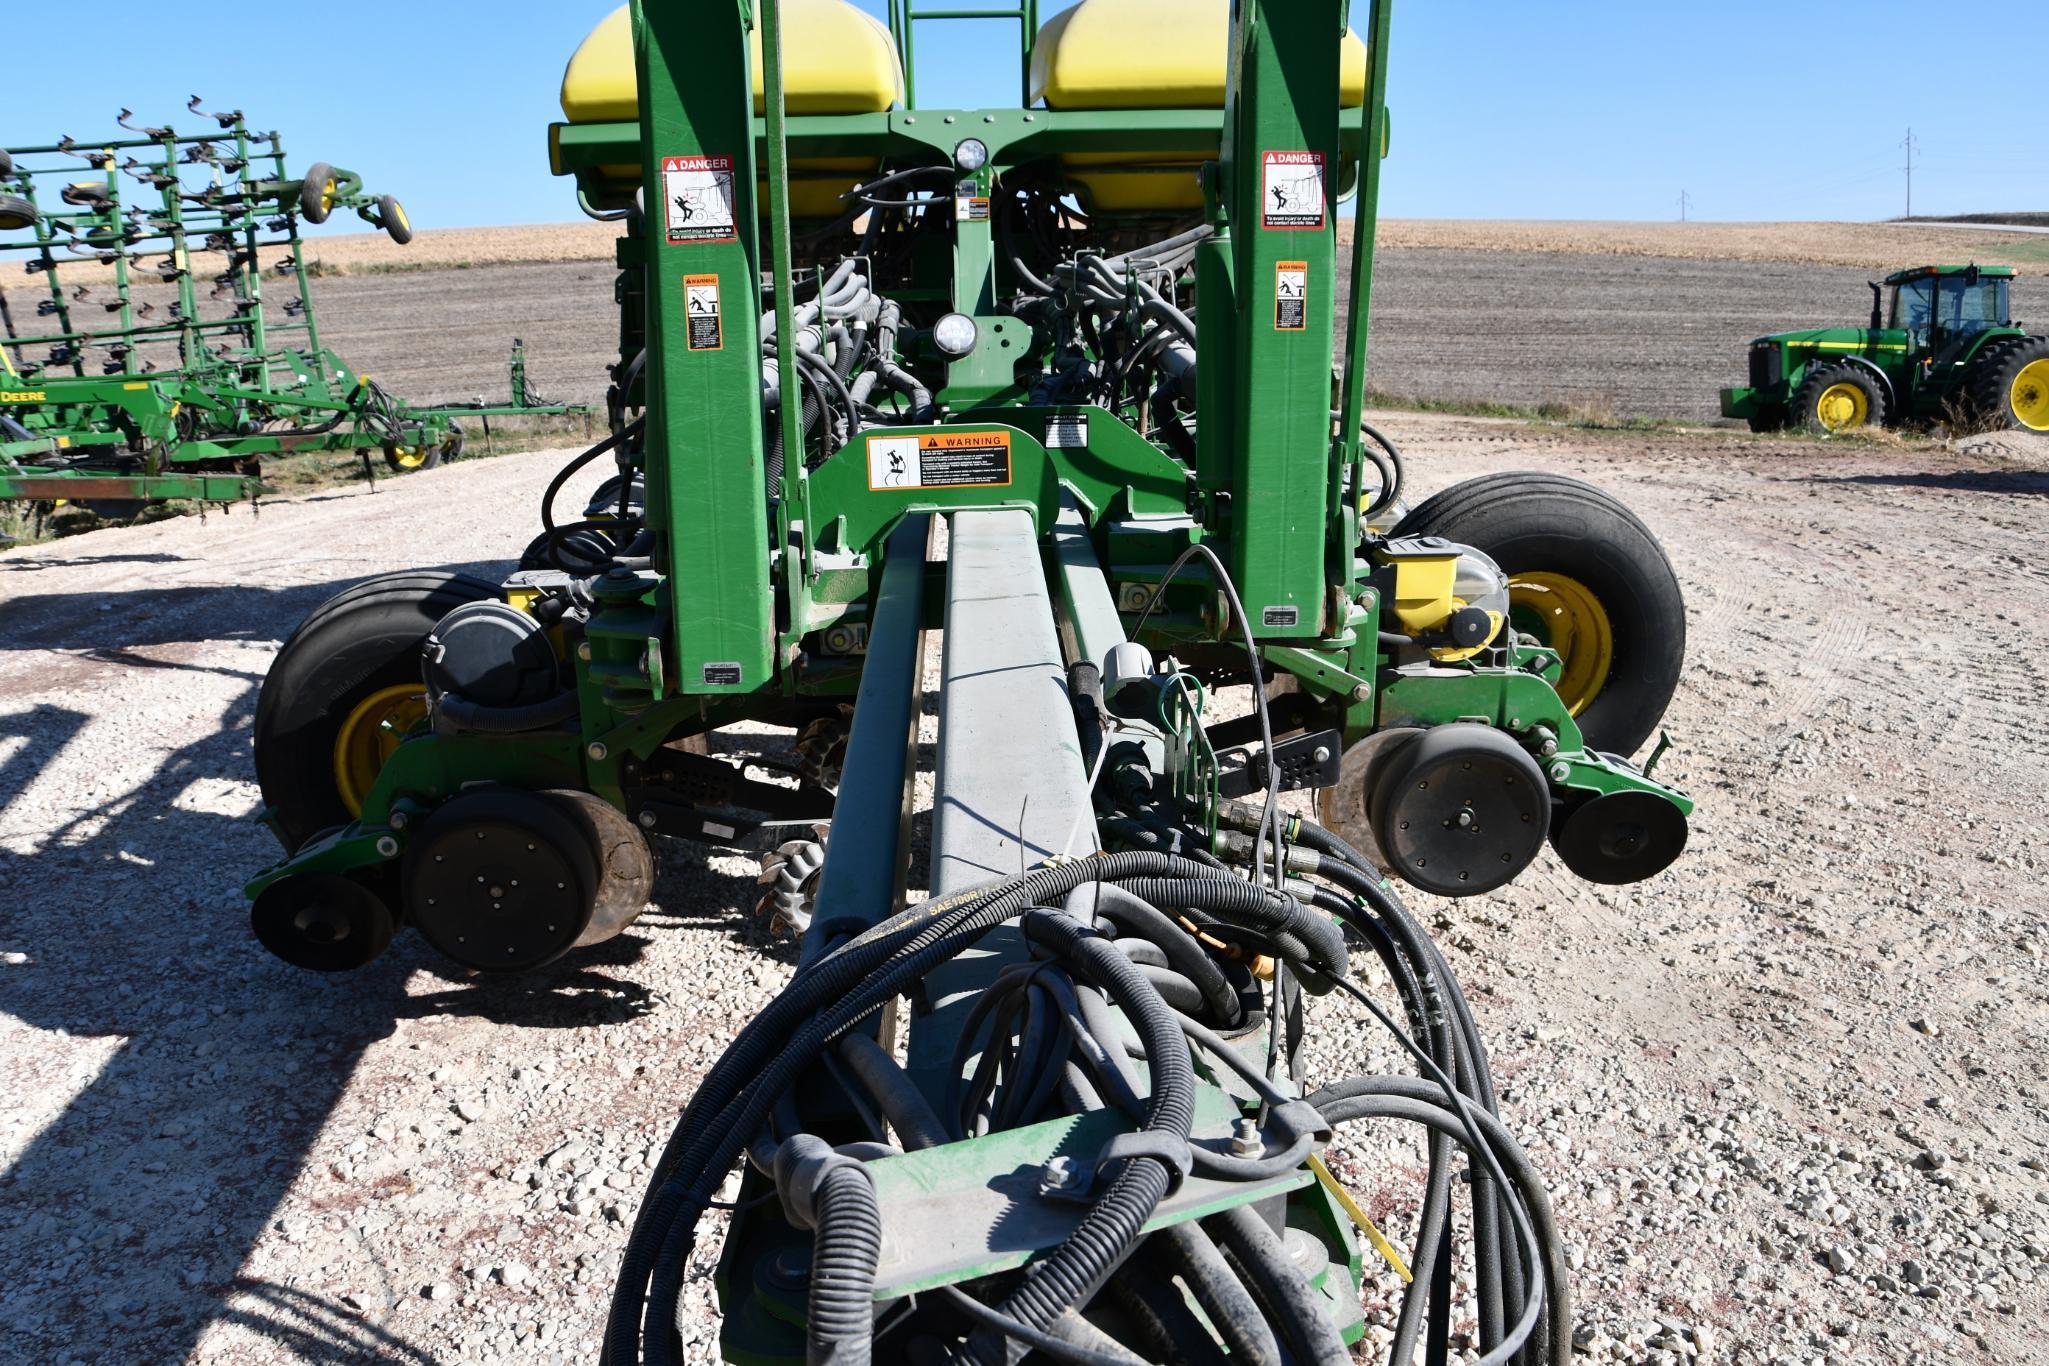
(1291, 296)
(697, 197)
(969, 205)
(701, 310)
(1292, 194)
(940, 460)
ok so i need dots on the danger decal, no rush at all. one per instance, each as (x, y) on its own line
(697, 199)
(1292, 191)
(940, 460)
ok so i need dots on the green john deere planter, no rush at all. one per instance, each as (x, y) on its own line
(1942, 345)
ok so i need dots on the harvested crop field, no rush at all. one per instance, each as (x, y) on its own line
(1865, 246)
(1790, 1096)
(1635, 336)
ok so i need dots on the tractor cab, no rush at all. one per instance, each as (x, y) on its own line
(1941, 344)
(1937, 305)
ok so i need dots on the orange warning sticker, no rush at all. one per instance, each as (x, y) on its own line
(939, 460)
(1291, 296)
(701, 313)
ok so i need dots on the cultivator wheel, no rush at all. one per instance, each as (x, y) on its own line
(1587, 579)
(1840, 398)
(317, 191)
(407, 457)
(391, 216)
(16, 213)
(341, 692)
(324, 922)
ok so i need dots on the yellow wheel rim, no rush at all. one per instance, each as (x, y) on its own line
(1841, 407)
(365, 741)
(2029, 396)
(409, 457)
(327, 195)
(1564, 614)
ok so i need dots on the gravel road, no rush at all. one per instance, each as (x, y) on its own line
(1790, 1094)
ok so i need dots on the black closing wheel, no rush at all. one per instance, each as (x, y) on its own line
(391, 216)
(316, 193)
(1586, 578)
(341, 691)
(1459, 810)
(502, 880)
(1621, 837)
(324, 922)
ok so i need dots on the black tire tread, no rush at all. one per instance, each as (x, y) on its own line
(1992, 376)
(296, 703)
(1823, 377)
(1511, 507)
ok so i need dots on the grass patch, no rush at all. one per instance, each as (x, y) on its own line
(1590, 414)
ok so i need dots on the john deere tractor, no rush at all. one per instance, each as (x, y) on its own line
(1942, 344)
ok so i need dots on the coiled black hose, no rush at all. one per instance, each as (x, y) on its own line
(1292, 1301)
(1074, 1270)
(1192, 1254)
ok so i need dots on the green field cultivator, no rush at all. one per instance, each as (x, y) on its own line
(170, 343)
(1061, 378)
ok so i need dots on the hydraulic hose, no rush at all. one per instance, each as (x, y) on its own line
(1075, 1270)
(903, 1104)
(834, 1195)
(1190, 1253)
(1295, 1305)
(1183, 953)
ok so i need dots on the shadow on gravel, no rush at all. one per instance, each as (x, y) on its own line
(129, 1215)
(21, 564)
(314, 1329)
(1962, 481)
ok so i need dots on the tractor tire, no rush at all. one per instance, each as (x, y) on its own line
(1839, 398)
(335, 678)
(1770, 420)
(391, 216)
(1586, 576)
(2009, 386)
(16, 213)
(314, 205)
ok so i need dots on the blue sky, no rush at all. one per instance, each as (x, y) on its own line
(1583, 109)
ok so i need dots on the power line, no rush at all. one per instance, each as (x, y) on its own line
(1685, 201)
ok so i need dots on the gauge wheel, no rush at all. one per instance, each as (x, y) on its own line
(316, 193)
(391, 216)
(1585, 578)
(343, 691)
(409, 457)
(16, 213)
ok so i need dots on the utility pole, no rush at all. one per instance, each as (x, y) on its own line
(1911, 145)
(1684, 201)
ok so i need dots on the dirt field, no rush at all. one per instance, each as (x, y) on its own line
(1790, 1095)
(1640, 336)
(1866, 246)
